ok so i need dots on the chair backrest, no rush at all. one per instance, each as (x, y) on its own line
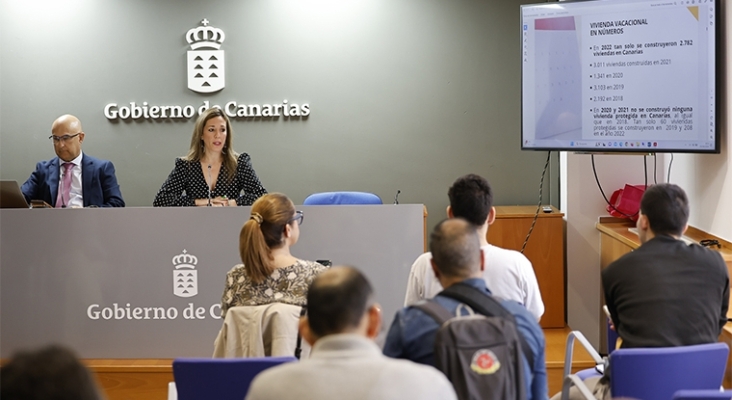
(657, 373)
(260, 331)
(325, 198)
(703, 395)
(221, 379)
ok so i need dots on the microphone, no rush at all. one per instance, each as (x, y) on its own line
(396, 198)
(209, 185)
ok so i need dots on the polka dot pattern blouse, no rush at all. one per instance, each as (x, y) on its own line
(187, 183)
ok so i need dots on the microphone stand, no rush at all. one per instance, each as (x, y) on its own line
(209, 185)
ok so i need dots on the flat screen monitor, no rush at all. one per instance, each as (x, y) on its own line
(620, 76)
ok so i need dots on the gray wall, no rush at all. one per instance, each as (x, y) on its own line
(405, 94)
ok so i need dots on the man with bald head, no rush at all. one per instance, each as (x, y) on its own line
(345, 363)
(457, 259)
(72, 179)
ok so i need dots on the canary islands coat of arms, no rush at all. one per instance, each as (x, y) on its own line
(206, 67)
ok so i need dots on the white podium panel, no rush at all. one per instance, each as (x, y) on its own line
(107, 282)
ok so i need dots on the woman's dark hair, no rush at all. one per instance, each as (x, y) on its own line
(195, 153)
(262, 232)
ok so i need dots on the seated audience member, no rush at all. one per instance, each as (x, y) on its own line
(269, 273)
(72, 178)
(212, 173)
(345, 363)
(50, 373)
(666, 293)
(508, 273)
(456, 258)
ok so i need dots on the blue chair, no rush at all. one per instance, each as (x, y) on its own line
(612, 339)
(657, 373)
(569, 351)
(703, 395)
(221, 379)
(326, 198)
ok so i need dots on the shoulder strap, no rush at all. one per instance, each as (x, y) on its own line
(488, 306)
(434, 310)
(479, 302)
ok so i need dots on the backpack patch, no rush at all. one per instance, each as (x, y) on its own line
(485, 362)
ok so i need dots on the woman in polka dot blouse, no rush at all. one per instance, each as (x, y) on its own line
(269, 273)
(212, 174)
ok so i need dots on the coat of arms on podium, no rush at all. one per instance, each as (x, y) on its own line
(185, 276)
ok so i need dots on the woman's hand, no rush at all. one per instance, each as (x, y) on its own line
(221, 201)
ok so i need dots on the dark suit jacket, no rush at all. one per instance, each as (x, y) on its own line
(99, 184)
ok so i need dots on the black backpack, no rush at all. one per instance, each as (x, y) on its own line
(482, 354)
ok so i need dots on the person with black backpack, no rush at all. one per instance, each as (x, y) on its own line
(488, 347)
(342, 321)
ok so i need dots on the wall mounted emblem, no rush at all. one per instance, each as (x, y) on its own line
(206, 67)
(206, 73)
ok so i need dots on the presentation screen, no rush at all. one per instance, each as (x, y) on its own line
(619, 76)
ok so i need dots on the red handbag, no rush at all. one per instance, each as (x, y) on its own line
(626, 202)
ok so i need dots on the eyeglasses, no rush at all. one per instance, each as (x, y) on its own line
(64, 138)
(299, 217)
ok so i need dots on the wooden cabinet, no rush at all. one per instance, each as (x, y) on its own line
(545, 250)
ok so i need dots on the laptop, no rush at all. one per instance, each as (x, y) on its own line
(11, 196)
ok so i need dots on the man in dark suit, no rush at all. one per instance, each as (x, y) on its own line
(72, 179)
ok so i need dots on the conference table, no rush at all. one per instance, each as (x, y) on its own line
(147, 282)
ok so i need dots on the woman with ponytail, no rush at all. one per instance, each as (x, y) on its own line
(269, 273)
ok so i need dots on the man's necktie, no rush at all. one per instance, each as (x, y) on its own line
(64, 190)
